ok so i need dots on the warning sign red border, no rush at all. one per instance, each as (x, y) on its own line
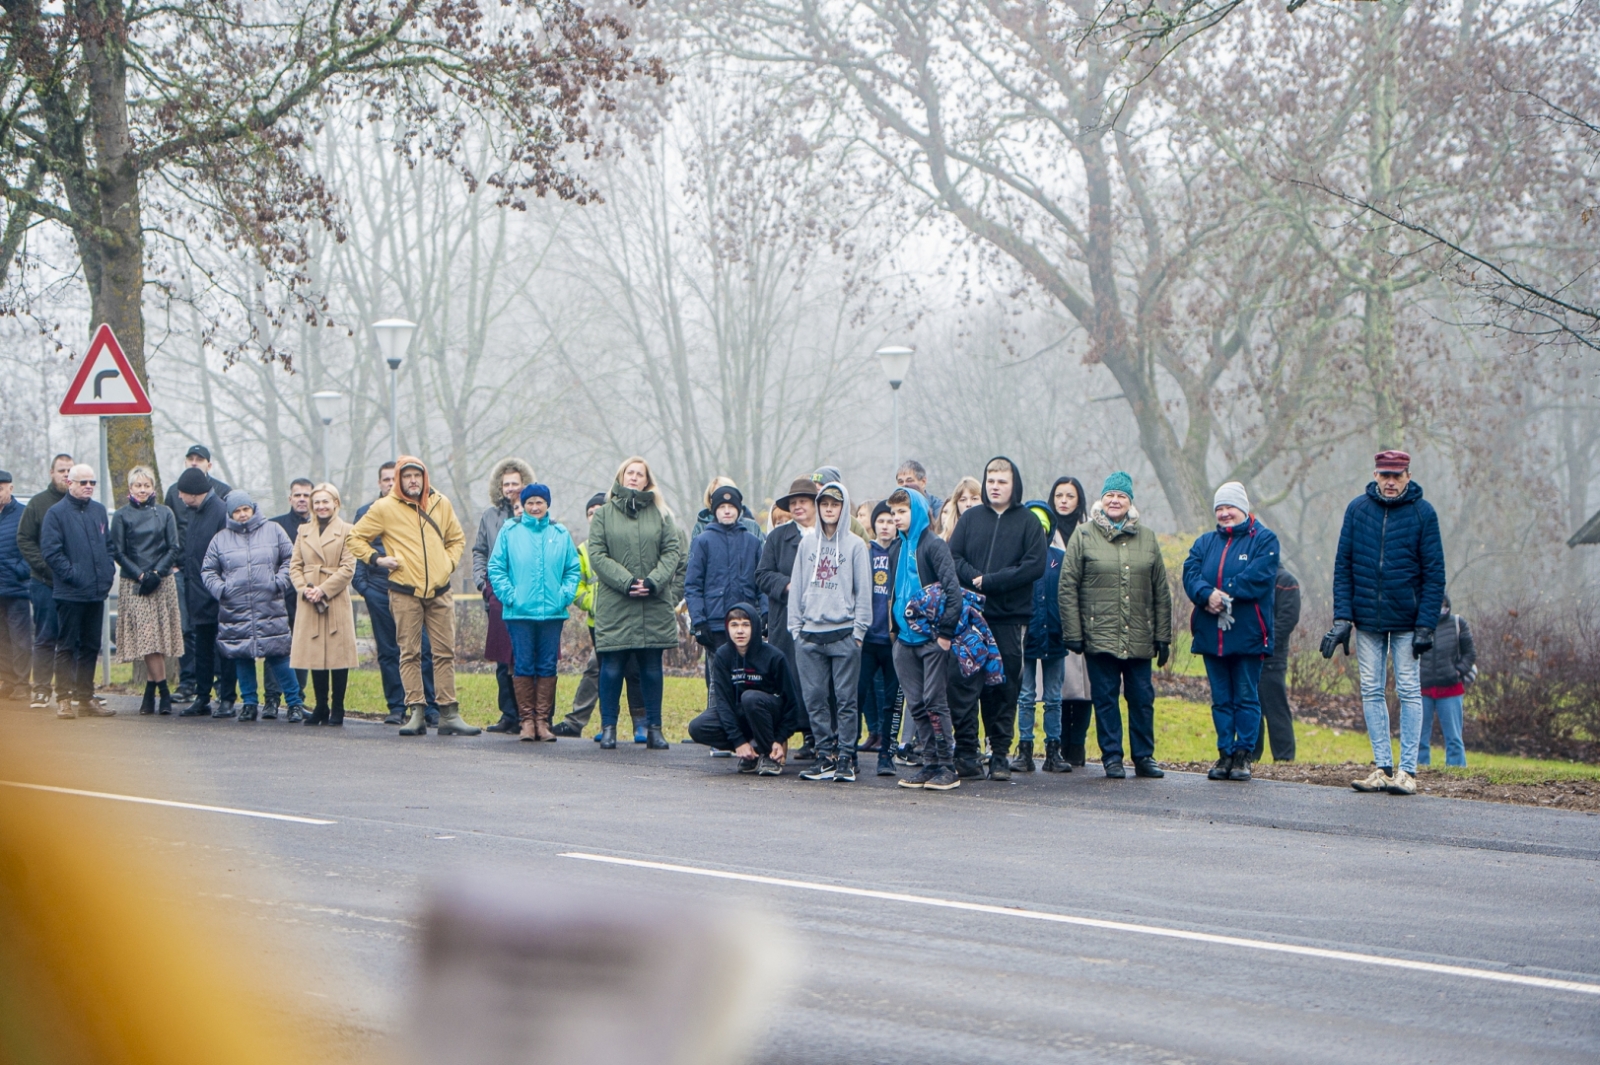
(75, 401)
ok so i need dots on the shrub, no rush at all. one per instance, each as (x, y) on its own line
(1538, 689)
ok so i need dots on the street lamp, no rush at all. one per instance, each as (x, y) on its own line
(394, 336)
(895, 362)
(327, 405)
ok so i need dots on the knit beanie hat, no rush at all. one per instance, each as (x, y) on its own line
(1232, 494)
(596, 500)
(881, 508)
(1118, 482)
(727, 494)
(194, 482)
(239, 498)
(542, 491)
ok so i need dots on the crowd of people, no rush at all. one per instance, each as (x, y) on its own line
(893, 627)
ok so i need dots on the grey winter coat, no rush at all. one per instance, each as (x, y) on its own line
(1452, 657)
(246, 570)
(491, 521)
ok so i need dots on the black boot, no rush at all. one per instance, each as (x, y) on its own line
(1240, 769)
(148, 705)
(1053, 762)
(269, 710)
(1076, 754)
(164, 702)
(336, 715)
(1221, 770)
(968, 766)
(1023, 762)
(608, 738)
(319, 716)
(507, 723)
(654, 740)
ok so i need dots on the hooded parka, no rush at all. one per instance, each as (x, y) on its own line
(246, 570)
(632, 538)
(492, 520)
(324, 639)
(1114, 595)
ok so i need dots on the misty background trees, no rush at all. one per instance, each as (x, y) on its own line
(1242, 261)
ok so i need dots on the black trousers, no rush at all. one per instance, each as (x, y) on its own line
(16, 644)
(997, 702)
(757, 715)
(1275, 711)
(212, 672)
(78, 645)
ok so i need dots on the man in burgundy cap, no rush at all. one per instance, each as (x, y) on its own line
(1388, 584)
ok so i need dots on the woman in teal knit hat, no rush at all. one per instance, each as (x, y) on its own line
(1116, 610)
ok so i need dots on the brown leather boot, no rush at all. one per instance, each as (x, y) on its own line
(544, 708)
(527, 698)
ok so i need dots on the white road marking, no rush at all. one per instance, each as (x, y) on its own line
(1495, 975)
(168, 802)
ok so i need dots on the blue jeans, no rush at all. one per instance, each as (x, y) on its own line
(1107, 674)
(1055, 672)
(1374, 651)
(535, 647)
(45, 633)
(278, 666)
(1448, 711)
(613, 668)
(1235, 701)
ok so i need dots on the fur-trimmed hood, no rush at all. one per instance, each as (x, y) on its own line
(1130, 524)
(500, 470)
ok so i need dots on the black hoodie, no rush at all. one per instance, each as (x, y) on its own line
(1006, 549)
(761, 668)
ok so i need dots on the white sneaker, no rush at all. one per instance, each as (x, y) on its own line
(1403, 783)
(1377, 781)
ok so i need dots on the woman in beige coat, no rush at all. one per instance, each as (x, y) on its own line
(325, 624)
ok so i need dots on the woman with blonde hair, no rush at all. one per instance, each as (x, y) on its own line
(638, 559)
(144, 542)
(325, 625)
(968, 494)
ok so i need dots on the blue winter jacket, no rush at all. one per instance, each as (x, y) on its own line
(1044, 631)
(1243, 563)
(76, 544)
(534, 569)
(1388, 575)
(14, 572)
(721, 573)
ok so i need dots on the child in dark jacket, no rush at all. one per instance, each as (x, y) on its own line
(722, 569)
(878, 700)
(755, 700)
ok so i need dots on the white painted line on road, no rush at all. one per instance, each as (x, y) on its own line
(168, 802)
(1495, 975)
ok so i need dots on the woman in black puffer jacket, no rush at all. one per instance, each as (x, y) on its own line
(144, 541)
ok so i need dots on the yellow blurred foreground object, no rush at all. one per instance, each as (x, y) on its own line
(106, 961)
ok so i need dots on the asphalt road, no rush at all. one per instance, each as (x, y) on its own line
(1490, 888)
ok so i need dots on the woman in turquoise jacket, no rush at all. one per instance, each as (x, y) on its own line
(534, 571)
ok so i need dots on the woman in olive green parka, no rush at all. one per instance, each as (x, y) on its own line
(1116, 610)
(638, 559)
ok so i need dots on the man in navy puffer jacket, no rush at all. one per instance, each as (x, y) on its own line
(1388, 583)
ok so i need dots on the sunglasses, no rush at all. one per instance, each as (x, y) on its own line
(91, 484)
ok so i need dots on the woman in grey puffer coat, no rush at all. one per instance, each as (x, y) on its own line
(246, 570)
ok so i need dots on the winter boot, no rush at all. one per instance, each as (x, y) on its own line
(1221, 770)
(297, 713)
(1023, 762)
(544, 707)
(654, 740)
(247, 712)
(148, 705)
(269, 709)
(319, 716)
(416, 721)
(1075, 754)
(451, 723)
(1000, 768)
(527, 699)
(164, 703)
(1053, 762)
(336, 715)
(608, 737)
(1241, 766)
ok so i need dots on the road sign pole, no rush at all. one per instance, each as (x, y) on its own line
(105, 497)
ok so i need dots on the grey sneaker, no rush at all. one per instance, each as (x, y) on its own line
(944, 779)
(1378, 780)
(920, 778)
(769, 767)
(1403, 783)
(822, 770)
(845, 771)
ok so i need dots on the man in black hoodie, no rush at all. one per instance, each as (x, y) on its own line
(999, 551)
(204, 517)
(755, 702)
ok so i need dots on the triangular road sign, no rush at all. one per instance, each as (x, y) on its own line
(105, 384)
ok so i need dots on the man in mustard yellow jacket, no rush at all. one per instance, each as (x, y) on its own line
(422, 544)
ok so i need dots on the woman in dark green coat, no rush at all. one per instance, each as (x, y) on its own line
(1116, 611)
(637, 556)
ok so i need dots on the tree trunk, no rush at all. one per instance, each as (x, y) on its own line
(113, 258)
(1377, 319)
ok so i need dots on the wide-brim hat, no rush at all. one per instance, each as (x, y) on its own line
(803, 487)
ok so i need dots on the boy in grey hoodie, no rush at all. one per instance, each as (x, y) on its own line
(830, 610)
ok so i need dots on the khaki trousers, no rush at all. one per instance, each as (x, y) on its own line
(439, 615)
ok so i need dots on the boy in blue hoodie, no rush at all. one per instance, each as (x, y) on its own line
(877, 651)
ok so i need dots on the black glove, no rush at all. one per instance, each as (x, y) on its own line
(149, 582)
(701, 636)
(1421, 642)
(1339, 634)
(650, 585)
(1075, 646)
(1163, 652)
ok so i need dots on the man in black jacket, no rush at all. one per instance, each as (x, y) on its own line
(75, 540)
(999, 551)
(198, 457)
(45, 626)
(204, 515)
(298, 514)
(1274, 687)
(754, 701)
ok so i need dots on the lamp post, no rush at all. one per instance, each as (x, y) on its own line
(394, 336)
(326, 404)
(895, 362)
